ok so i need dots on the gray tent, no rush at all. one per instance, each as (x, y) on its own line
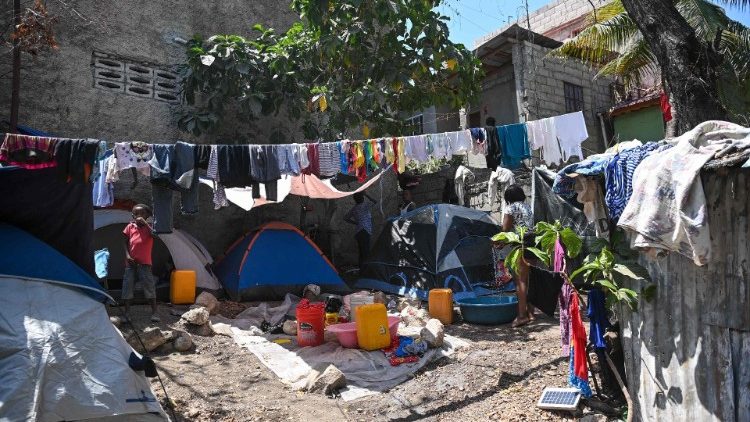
(432, 247)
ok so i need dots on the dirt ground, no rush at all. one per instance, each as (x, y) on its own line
(498, 377)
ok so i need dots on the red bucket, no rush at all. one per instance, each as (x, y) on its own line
(310, 323)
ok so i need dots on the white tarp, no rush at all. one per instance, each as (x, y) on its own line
(61, 358)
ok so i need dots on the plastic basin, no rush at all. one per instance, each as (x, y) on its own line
(346, 333)
(489, 310)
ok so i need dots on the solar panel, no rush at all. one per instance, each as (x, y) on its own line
(559, 399)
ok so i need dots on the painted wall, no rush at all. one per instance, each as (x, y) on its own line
(646, 124)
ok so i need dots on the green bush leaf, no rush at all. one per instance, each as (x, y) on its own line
(622, 269)
(543, 256)
(571, 241)
(608, 284)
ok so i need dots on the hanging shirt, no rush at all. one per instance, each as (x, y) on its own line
(313, 158)
(514, 144)
(401, 154)
(301, 155)
(598, 321)
(135, 155)
(417, 148)
(571, 132)
(479, 140)
(220, 196)
(344, 154)
(234, 166)
(288, 164)
(494, 151)
(461, 142)
(543, 136)
(264, 164)
(102, 191)
(330, 159)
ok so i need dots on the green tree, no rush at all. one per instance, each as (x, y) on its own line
(345, 64)
(614, 42)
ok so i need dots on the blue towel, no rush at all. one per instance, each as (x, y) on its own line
(514, 142)
(101, 261)
(598, 322)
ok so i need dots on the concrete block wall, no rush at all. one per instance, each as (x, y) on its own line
(543, 89)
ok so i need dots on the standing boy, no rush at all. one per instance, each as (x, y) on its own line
(361, 216)
(139, 241)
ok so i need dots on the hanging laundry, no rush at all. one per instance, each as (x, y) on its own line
(360, 164)
(29, 152)
(461, 142)
(667, 211)
(313, 159)
(243, 197)
(590, 195)
(288, 164)
(234, 166)
(264, 168)
(500, 178)
(173, 169)
(543, 137)
(462, 176)
(102, 191)
(479, 141)
(571, 132)
(579, 371)
(390, 147)
(202, 155)
(329, 159)
(544, 289)
(564, 184)
(416, 148)
(135, 155)
(401, 154)
(220, 197)
(494, 151)
(666, 107)
(598, 321)
(619, 176)
(344, 152)
(514, 144)
(301, 155)
(442, 146)
(76, 158)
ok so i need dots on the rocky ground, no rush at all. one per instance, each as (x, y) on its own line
(499, 377)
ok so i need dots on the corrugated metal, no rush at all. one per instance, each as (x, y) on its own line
(687, 352)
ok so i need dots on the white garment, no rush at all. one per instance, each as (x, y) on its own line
(300, 154)
(668, 210)
(571, 132)
(624, 146)
(500, 178)
(103, 191)
(543, 136)
(128, 157)
(460, 141)
(463, 175)
(416, 148)
(590, 195)
(441, 146)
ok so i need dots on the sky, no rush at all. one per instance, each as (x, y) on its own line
(471, 19)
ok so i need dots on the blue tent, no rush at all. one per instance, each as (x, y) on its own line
(274, 260)
(23, 255)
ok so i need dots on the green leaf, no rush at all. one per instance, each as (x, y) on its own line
(512, 260)
(608, 284)
(506, 237)
(649, 293)
(543, 256)
(606, 258)
(586, 267)
(622, 269)
(571, 241)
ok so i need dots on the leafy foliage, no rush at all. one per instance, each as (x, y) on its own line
(516, 240)
(346, 63)
(547, 234)
(603, 270)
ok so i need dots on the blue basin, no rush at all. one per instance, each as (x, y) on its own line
(489, 310)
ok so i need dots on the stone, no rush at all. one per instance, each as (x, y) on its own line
(433, 333)
(379, 297)
(290, 328)
(208, 301)
(183, 342)
(330, 380)
(152, 338)
(196, 316)
(414, 317)
(405, 302)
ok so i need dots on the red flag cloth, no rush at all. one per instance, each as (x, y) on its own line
(666, 108)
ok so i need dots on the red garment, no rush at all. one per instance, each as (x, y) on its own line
(578, 340)
(140, 243)
(666, 108)
(394, 141)
(313, 155)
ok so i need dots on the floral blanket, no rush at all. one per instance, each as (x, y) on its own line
(667, 211)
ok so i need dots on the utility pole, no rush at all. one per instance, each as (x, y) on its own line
(16, 89)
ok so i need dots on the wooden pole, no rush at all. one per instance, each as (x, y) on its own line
(16, 83)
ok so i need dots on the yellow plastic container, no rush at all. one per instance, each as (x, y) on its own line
(441, 305)
(372, 327)
(182, 287)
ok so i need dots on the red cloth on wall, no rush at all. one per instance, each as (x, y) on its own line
(666, 108)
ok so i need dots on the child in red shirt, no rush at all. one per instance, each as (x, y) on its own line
(139, 242)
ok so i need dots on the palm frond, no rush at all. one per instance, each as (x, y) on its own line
(634, 65)
(735, 48)
(740, 4)
(601, 42)
(606, 12)
(706, 18)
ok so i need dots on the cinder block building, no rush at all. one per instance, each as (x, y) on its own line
(523, 82)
